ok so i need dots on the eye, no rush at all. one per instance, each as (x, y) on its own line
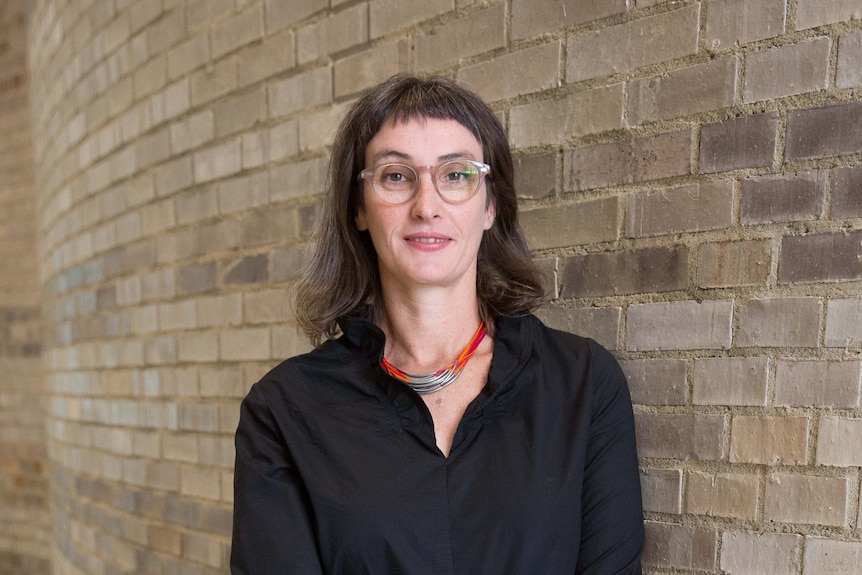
(457, 172)
(394, 174)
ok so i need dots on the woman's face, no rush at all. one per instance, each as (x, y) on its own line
(424, 241)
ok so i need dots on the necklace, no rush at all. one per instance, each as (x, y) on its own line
(436, 381)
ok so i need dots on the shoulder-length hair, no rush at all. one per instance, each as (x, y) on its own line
(342, 277)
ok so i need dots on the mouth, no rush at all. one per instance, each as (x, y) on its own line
(428, 240)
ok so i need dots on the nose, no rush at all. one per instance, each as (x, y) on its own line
(426, 202)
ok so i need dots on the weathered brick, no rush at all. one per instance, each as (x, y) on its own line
(821, 257)
(269, 226)
(195, 205)
(178, 315)
(600, 323)
(167, 31)
(680, 436)
(246, 270)
(839, 442)
(287, 262)
(847, 193)
(192, 132)
(242, 193)
(750, 553)
(826, 131)
(808, 499)
(170, 102)
(538, 66)
(844, 323)
(203, 483)
(219, 310)
(661, 490)
(198, 347)
(241, 112)
(804, 67)
(769, 440)
(196, 278)
(581, 223)
(722, 494)
(536, 175)
(632, 45)
(274, 55)
(690, 208)
(214, 81)
(730, 381)
(782, 198)
(830, 557)
(656, 381)
(849, 58)
(317, 130)
(217, 162)
(740, 22)
(245, 344)
(150, 77)
(363, 70)
(747, 142)
(690, 90)
(187, 56)
(817, 383)
(627, 160)
(779, 322)
(298, 179)
(579, 114)
(728, 264)
(680, 546)
(679, 325)
(644, 270)
(531, 17)
(388, 16)
(811, 13)
(267, 306)
(281, 14)
(305, 90)
(237, 31)
(336, 33)
(480, 32)
(287, 342)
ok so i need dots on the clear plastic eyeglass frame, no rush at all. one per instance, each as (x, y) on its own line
(455, 181)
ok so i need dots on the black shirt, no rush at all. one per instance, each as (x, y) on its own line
(338, 472)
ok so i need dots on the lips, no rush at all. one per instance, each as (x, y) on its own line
(427, 238)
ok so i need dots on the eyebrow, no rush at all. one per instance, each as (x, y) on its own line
(406, 157)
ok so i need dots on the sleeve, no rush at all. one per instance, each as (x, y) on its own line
(612, 530)
(272, 526)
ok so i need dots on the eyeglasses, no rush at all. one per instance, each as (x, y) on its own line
(455, 181)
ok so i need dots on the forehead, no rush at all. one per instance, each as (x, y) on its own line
(425, 137)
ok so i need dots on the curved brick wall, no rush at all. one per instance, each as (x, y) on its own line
(691, 178)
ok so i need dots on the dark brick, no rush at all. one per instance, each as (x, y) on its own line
(308, 219)
(627, 160)
(783, 198)
(647, 270)
(821, 257)
(701, 206)
(847, 195)
(729, 264)
(106, 297)
(196, 278)
(287, 263)
(248, 270)
(536, 176)
(656, 381)
(218, 520)
(738, 143)
(181, 512)
(269, 226)
(827, 131)
(680, 436)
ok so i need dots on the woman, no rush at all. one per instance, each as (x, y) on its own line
(514, 453)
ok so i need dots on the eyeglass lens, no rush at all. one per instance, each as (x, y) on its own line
(455, 181)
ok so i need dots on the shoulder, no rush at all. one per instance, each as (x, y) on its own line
(549, 341)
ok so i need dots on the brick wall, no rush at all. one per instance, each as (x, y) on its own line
(690, 176)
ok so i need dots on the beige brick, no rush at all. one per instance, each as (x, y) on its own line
(363, 70)
(287, 342)
(785, 71)
(217, 161)
(237, 31)
(151, 77)
(268, 226)
(193, 131)
(180, 447)
(219, 310)
(280, 14)
(656, 381)
(340, 31)
(661, 490)
(769, 440)
(167, 31)
(298, 179)
(242, 193)
(634, 44)
(579, 114)
(388, 16)
(844, 322)
(723, 494)
(214, 81)
(317, 130)
(679, 325)
(198, 347)
(680, 436)
(178, 315)
(779, 322)
(740, 22)
(240, 112)
(274, 55)
(849, 58)
(267, 306)
(170, 102)
(305, 90)
(538, 66)
(817, 383)
(478, 33)
(170, 178)
(750, 553)
(219, 382)
(245, 344)
(728, 264)
(196, 205)
(811, 13)
(188, 56)
(806, 499)
(581, 223)
(532, 17)
(730, 381)
(690, 90)
(152, 149)
(689, 208)
(599, 323)
(830, 557)
(839, 442)
(680, 546)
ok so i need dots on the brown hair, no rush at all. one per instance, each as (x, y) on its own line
(342, 277)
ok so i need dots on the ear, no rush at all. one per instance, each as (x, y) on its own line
(490, 213)
(361, 221)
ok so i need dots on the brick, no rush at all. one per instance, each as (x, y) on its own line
(656, 381)
(188, 56)
(280, 15)
(191, 417)
(578, 114)
(247, 270)
(679, 325)
(811, 13)
(817, 383)
(690, 208)
(268, 226)
(242, 193)
(170, 102)
(305, 90)
(198, 347)
(599, 323)
(363, 70)
(387, 16)
(632, 45)
(839, 442)
(847, 193)
(287, 342)
(750, 553)
(690, 90)
(317, 130)
(644, 270)
(740, 22)
(585, 222)
(192, 132)
(287, 263)
(217, 162)
(267, 306)
(730, 381)
(196, 205)
(661, 490)
(539, 66)
(680, 436)
(164, 539)
(217, 382)
(769, 440)
(241, 112)
(826, 131)
(728, 264)
(536, 175)
(214, 81)
(723, 495)
(202, 483)
(680, 546)
(172, 177)
(806, 499)
(844, 323)
(747, 142)
(219, 310)
(237, 31)
(158, 285)
(180, 447)
(530, 18)
(782, 198)
(830, 557)
(849, 56)
(480, 32)
(196, 278)
(204, 12)
(178, 315)
(245, 344)
(821, 257)
(298, 179)
(803, 68)
(340, 31)
(628, 160)
(274, 55)
(167, 31)
(779, 322)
